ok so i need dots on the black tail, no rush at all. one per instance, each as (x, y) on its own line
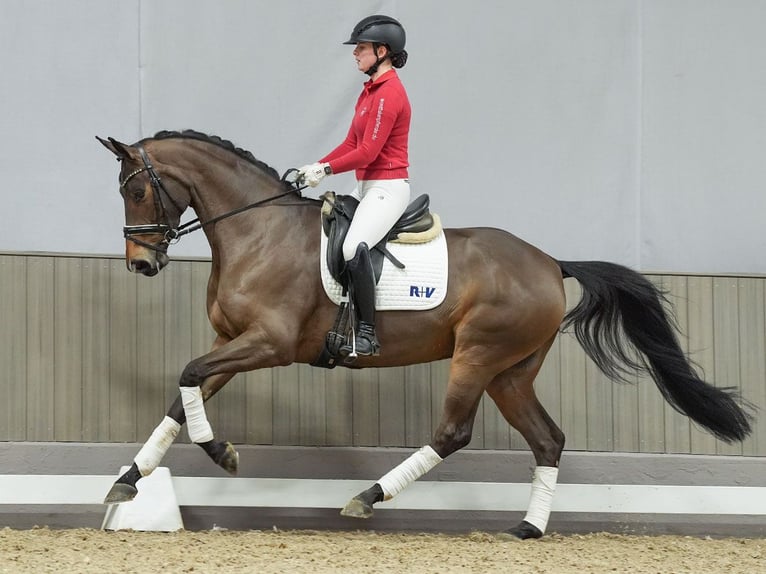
(622, 325)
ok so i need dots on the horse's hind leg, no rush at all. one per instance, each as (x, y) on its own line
(513, 393)
(466, 385)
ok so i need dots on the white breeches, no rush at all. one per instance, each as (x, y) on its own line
(381, 203)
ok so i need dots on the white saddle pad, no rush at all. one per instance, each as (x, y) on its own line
(421, 285)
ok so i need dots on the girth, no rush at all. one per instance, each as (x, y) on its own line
(337, 213)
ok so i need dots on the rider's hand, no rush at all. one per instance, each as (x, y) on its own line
(313, 173)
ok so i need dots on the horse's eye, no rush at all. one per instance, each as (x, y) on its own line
(138, 193)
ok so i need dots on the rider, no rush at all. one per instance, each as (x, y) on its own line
(376, 147)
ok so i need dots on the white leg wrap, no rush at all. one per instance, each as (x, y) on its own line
(196, 419)
(540, 501)
(150, 455)
(409, 471)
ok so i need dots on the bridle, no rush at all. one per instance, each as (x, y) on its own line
(172, 234)
(163, 227)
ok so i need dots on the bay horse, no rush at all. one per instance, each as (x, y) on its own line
(503, 308)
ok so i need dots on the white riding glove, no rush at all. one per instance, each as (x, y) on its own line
(313, 173)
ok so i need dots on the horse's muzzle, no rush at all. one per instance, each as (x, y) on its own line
(147, 263)
(145, 267)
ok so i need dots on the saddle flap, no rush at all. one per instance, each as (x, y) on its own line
(337, 213)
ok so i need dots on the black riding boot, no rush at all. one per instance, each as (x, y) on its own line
(362, 293)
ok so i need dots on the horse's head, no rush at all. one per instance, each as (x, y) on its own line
(153, 207)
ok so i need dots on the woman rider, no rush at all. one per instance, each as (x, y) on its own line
(376, 147)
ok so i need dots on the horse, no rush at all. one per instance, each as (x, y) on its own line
(504, 306)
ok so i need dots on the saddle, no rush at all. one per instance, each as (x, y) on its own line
(416, 225)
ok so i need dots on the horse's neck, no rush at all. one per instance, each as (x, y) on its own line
(263, 228)
(217, 194)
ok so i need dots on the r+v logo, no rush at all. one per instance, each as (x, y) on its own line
(426, 292)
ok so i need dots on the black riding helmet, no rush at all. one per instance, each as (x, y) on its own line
(381, 30)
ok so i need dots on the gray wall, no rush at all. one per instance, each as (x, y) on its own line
(623, 130)
(92, 353)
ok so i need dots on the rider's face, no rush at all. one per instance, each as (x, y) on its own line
(365, 55)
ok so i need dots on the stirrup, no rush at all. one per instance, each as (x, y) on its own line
(364, 343)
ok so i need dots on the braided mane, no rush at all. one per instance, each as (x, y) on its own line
(220, 142)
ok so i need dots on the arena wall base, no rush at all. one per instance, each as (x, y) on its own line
(304, 487)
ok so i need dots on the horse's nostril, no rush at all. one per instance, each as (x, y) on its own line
(142, 266)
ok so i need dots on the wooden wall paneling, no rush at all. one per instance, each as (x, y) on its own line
(496, 431)
(677, 426)
(123, 333)
(340, 417)
(626, 427)
(150, 352)
(312, 406)
(419, 426)
(366, 403)
(573, 381)
(392, 406)
(438, 375)
(40, 349)
(94, 353)
(600, 422)
(651, 408)
(181, 341)
(285, 402)
(752, 336)
(95, 323)
(701, 348)
(548, 382)
(259, 407)
(231, 403)
(67, 327)
(727, 347)
(13, 347)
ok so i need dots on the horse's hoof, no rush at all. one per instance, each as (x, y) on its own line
(357, 508)
(229, 460)
(120, 492)
(523, 531)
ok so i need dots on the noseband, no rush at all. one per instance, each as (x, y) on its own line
(172, 234)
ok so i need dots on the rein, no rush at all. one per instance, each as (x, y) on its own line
(195, 224)
(173, 235)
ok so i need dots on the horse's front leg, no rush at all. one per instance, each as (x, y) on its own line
(200, 380)
(152, 452)
(464, 391)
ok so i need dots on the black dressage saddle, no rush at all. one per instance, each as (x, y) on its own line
(337, 213)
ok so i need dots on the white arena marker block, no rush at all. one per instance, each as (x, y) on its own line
(154, 509)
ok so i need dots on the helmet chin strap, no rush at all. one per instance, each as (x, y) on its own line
(378, 60)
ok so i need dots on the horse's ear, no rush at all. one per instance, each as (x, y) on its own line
(119, 149)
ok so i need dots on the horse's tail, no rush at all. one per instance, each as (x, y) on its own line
(624, 328)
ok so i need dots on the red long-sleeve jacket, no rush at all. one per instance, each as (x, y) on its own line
(376, 144)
